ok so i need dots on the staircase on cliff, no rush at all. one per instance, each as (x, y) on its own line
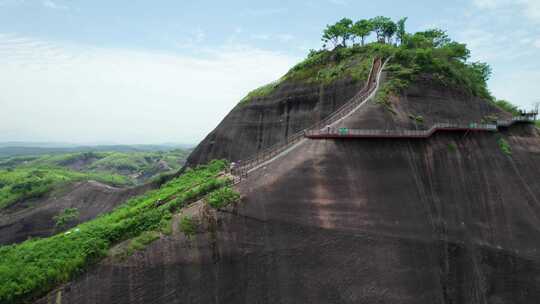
(244, 167)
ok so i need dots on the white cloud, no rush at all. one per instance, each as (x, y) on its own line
(54, 5)
(61, 92)
(528, 8)
(532, 9)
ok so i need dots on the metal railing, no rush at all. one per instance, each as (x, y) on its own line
(243, 167)
(526, 117)
(359, 133)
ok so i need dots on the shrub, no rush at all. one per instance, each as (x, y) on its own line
(419, 119)
(222, 197)
(187, 225)
(65, 216)
(504, 146)
(166, 224)
(140, 242)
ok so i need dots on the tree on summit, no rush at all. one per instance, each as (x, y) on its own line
(384, 27)
(362, 29)
(401, 33)
(340, 30)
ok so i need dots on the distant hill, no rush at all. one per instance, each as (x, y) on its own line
(8, 149)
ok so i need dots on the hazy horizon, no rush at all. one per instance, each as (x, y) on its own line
(129, 72)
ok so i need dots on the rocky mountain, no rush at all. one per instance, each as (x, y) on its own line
(452, 218)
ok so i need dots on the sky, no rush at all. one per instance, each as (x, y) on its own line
(168, 71)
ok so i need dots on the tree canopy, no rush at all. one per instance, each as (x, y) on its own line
(345, 30)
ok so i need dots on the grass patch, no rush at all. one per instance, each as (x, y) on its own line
(34, 267)
(188, 226)
(388, 89)
(65, 216)
(507, 106)
(222, 197)
(261, 92)
(504, 146)
(140, 242)
(166, 224)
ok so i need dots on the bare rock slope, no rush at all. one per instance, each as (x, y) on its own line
(451, 219)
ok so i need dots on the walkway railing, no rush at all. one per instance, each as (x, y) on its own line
(242, 168)
(527, 117)
(330, 133)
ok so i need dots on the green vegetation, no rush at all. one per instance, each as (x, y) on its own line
(222, 197)
(504, 146)
(141, 163)
(28, 177)
(34, 267)
(418, 119)
(166, 224)
(427, 55)
(187, 225)
(538, 123)
(25, 183)
(489, 119)
(507, 106)
(262, 91)
(140, 242)
(65, 216)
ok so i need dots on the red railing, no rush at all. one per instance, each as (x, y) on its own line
(364, 133)
(242, 168)
(330, 133)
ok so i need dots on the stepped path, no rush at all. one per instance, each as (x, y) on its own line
(278, 150)
(333, 133)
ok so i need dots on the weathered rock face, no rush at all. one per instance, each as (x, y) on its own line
(450, 219)
(265, 121)
(356, 222)
(431, 101)
(34, 218)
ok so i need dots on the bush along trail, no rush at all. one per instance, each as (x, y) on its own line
(36, 266)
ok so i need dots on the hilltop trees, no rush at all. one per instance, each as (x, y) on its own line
(341, 30)
(401, 33)
(340, 33)
(384, 27)
(362, 29)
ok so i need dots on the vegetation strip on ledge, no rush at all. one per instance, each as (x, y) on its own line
(34, 267)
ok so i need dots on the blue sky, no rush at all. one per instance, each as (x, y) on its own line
(169, 71)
